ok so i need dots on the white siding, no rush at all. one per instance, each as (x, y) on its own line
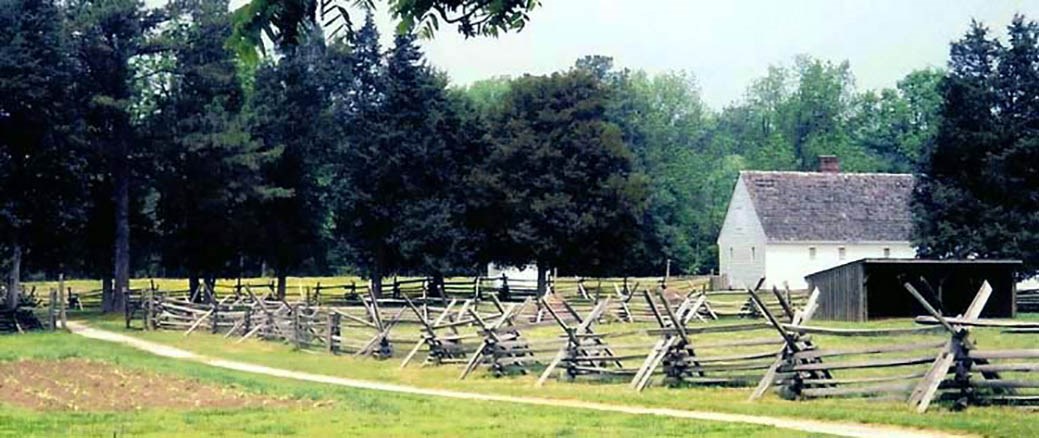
(741, 242)
(791, 262)
(529, 272)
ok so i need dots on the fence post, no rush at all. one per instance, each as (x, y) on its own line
(296, 335)
(667, 273)
(127, 311)
(214, 315)
(149, 300)
(332, 332)
(503, 293)
(248, 323)
(52, 312)
(64, 300)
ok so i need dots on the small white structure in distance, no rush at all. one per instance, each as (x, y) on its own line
(786, 225)
(529, 272)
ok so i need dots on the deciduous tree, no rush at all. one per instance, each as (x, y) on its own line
(568, 193)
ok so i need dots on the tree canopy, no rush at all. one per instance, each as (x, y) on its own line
(565, 182)
(340, 155)
(978, 190)
(286, 22)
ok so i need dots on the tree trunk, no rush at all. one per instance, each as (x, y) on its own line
(106, 293)
(438, 284)
(542, 278)
(378, 271)
(122, 233)
(14, 279)
(281, 284)
(377, 282)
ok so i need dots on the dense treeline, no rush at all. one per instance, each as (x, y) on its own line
(120, 124)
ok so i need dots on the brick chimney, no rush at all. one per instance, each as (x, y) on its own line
(829, 164)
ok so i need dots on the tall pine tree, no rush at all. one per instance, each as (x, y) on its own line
(209, 166)
(107, 35)
(40, 166)
(978, 192)
(404, 166)
(291, 113)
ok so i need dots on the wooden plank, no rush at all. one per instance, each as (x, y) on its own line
(875, 363)
(996, 323)
(1005, 383)
(770, 375)
(924, 392)
(860, 332)
(980, 299)
(1009, 367)
(734, 357)
(852, 381)
(812, 354)
(1004, 354)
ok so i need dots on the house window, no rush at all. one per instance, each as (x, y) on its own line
(841, 253)
(887, 253)
(753, 253)
(811, 253)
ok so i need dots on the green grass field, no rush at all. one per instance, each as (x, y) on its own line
(323, 410)
(988, 421)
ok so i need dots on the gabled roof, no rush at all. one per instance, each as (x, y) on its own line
(825, 206)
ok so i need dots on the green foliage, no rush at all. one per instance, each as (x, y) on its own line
(42, 162)
(402, 167)
(292, 114)
(486, 94)
(472, 17)
(666, 125)
(979, 190)
(335, 153)
(287, 22)
(209, 180)
(565, 191)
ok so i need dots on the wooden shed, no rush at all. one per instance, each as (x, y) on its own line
(873, 288)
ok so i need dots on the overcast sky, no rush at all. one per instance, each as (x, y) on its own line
(726, 44)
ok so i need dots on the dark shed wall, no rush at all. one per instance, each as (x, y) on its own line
(873, 288)
(950, 288)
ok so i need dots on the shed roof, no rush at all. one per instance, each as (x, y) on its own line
(831, 206)
(1012, 263)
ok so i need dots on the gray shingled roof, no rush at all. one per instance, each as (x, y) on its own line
(815, 206)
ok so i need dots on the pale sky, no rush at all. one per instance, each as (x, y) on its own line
(725, 44)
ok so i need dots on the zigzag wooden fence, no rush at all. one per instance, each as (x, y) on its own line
(639, 335)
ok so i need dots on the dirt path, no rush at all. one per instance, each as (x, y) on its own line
(811, 426)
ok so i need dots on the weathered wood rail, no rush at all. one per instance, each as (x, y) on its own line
(686, 343)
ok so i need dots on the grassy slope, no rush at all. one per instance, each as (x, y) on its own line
(352, 412)
(993, 421)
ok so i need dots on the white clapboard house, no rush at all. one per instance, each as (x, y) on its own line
(785, 225)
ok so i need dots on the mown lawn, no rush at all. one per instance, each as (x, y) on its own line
(989, 421)
(323, 410)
